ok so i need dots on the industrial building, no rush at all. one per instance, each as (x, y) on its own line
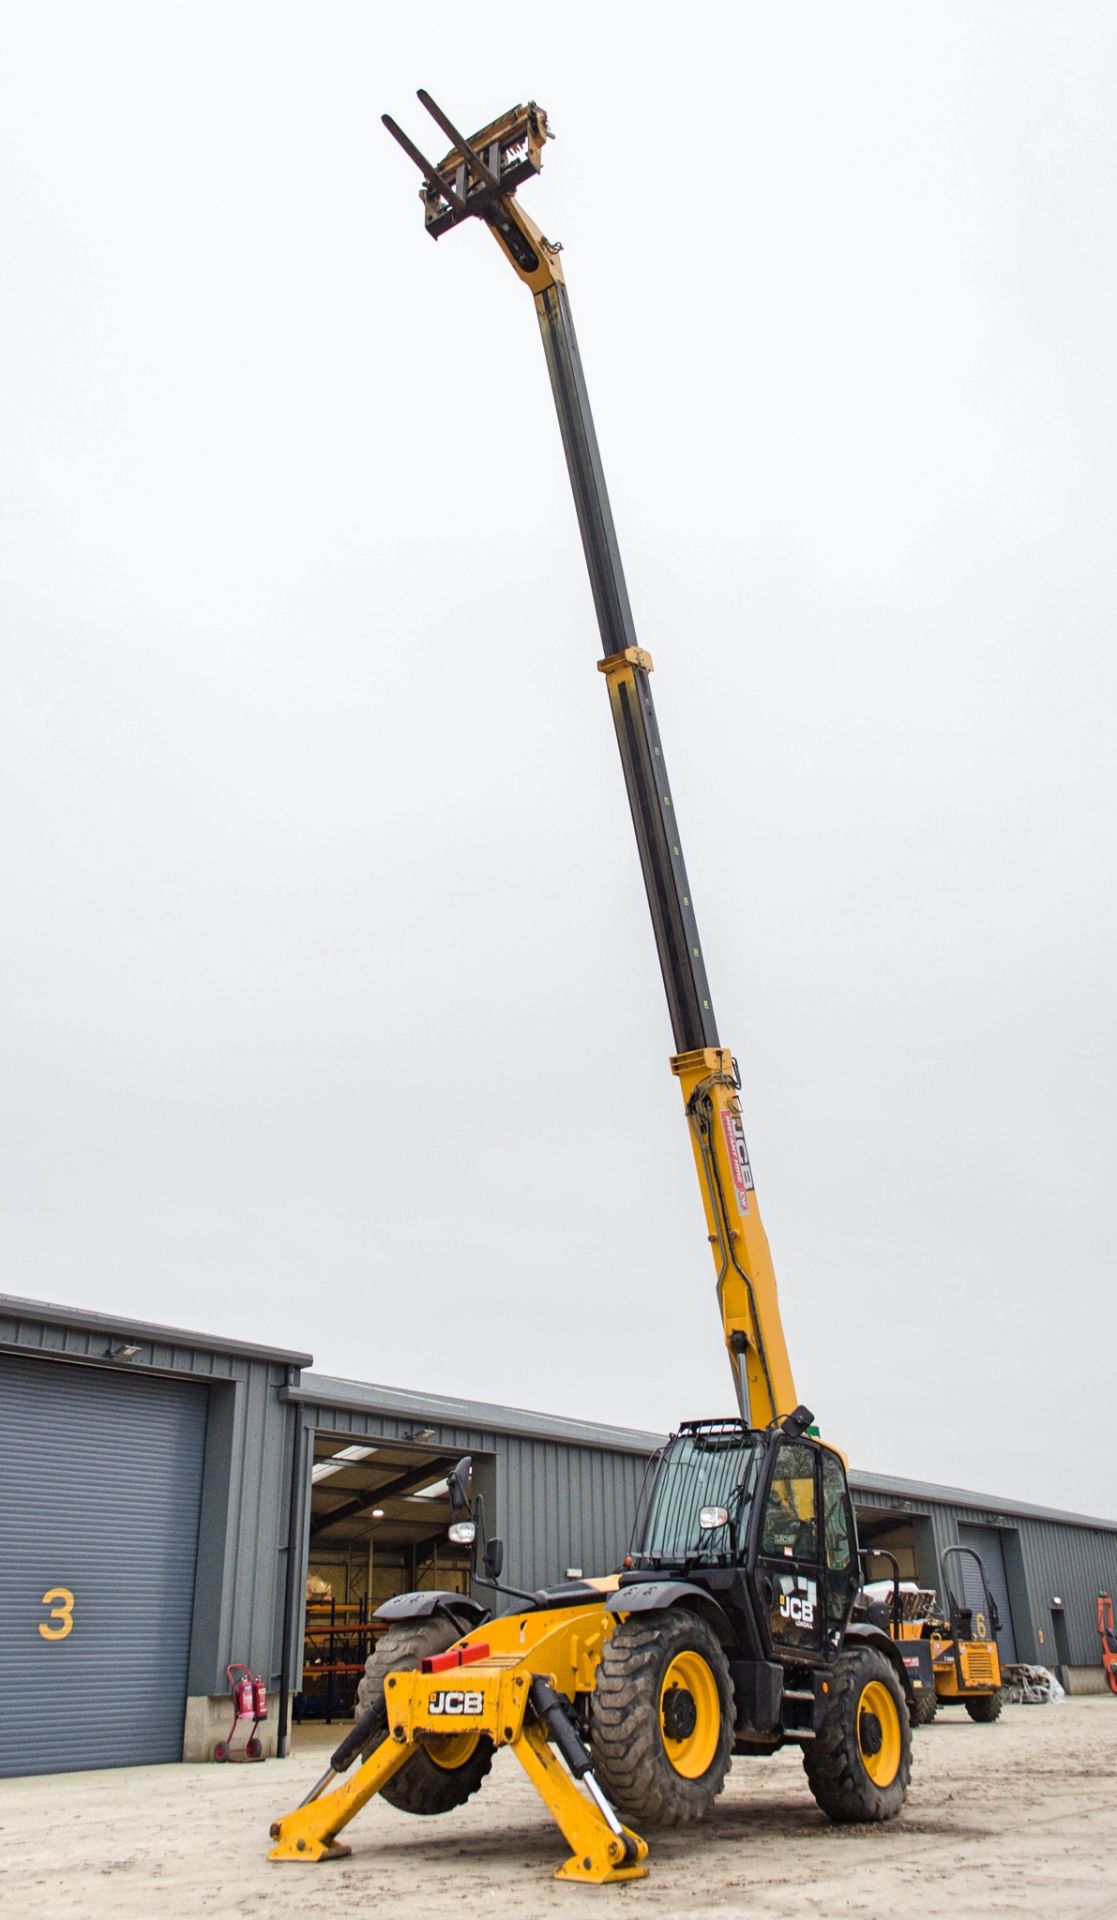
(176, 1502)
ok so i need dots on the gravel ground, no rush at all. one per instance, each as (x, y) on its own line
(1015, 1819)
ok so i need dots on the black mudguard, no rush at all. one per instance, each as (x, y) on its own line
(916, 1656)
(861, 1633)
(656, 1596)
(458, 1607)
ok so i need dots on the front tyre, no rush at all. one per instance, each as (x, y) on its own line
(443, 1772)
(859, 1764)
(925, 1708)
(661, 1718)
(985, 1708)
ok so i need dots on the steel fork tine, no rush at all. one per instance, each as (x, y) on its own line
(487, 178)
(426, 167)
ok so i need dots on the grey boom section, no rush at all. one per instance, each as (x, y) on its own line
(645, 773)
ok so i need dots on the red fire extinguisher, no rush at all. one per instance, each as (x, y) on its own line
(250, 1702)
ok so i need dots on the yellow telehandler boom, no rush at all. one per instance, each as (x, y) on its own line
(731, 1628)
(478, 180)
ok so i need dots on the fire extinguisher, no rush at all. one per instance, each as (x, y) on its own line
(244, 1698)
(260, 1698)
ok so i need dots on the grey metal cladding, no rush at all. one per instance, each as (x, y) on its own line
(100, 1487)
(243, 1530)
(1047, 1553)
(555, 1503)
(86, 1330)
(326, 1390)
(884, 1489)
(988, 1542)
(563, 1506)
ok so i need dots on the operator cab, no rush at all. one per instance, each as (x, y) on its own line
(727, 1500)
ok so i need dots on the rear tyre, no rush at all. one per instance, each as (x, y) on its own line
(986, 1708)
(859, 1764)
(924, 1709)
(254, 1749)
(661, 1718)
(443, 1772)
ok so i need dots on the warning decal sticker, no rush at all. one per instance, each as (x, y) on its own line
(738, 1157)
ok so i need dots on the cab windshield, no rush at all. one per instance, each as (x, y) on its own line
(696, 1470)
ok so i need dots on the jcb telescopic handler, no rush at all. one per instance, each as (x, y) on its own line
(731, 1629)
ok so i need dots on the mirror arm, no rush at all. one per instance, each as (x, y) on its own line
(514, 1593)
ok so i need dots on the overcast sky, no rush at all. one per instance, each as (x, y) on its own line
(330, 1007)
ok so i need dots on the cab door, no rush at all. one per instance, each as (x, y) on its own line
(839, 1542)
(789, 1563)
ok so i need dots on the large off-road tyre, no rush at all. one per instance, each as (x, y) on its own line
(985, 1708)
(661, 1718)
(859, 1764)
(924, 1708)
(445, 1771)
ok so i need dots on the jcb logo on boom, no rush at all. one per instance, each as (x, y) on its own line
(455, 1701)
(799, 1612)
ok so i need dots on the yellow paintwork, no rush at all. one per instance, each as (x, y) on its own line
(548, 273)
(883, 1766)
(564, 1644)
(597, 1855)
(747, 1292)
(453, 1749)
(981, 1665)
(691, 1755)
(746, 1279)
(980, 1662)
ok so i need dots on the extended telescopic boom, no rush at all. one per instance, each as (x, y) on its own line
(477, 179)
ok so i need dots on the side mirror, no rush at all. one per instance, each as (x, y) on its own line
(457, 1485)
(494, 1558)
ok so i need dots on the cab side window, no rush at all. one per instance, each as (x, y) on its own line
(838, 1534)
(791, 1511)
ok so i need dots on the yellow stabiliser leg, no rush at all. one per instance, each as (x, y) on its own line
(495, 1697)
(308, 1833)
(598, 1855)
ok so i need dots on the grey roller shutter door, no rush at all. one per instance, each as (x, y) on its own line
(100, 1490)
(987, 1542)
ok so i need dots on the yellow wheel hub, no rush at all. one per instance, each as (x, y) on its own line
(878, 1734)
(451, 1750)
(689, 1715)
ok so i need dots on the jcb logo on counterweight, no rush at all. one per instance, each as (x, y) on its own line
(455, 1701)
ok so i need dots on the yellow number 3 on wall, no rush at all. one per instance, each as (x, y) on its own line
(62, 1611)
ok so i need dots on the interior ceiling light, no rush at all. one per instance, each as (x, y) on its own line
(339, 1461)
(429, 1493)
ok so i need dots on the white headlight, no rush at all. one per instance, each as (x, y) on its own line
(463, 1533)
